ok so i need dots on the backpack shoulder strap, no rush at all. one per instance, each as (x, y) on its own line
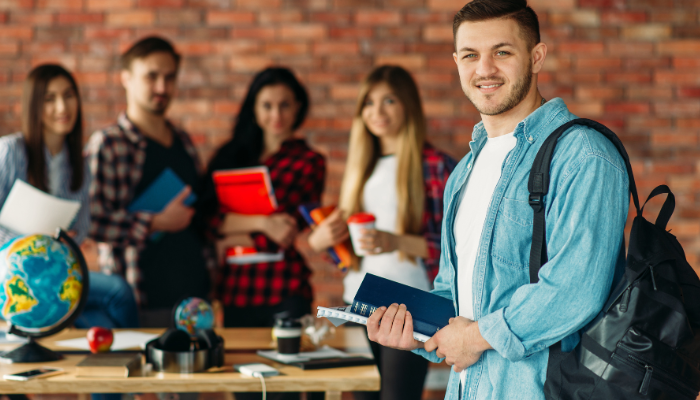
(538, 186)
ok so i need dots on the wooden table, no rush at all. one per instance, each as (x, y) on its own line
(240, 347)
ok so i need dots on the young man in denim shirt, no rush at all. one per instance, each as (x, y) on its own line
(498, 345)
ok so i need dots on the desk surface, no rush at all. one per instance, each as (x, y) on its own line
(352, 339)
(243, 341)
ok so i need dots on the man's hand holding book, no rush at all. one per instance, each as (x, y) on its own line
(392, 327)
(460, 343)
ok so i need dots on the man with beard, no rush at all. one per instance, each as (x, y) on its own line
(161, 254)
(499, 343)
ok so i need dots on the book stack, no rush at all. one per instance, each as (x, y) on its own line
(110, 365)
(246, 191)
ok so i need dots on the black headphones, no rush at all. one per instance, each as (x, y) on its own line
(178, 340)
(178, 351)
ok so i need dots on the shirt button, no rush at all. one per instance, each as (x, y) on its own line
(469, 166)
(530, 139)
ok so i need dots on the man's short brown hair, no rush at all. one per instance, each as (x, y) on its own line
(146, 47)
(517, 10)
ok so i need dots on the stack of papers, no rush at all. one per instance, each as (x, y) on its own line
(28, 210)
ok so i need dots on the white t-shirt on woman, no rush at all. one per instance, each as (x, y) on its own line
(379, 198)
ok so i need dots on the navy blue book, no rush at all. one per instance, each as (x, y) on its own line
(160, 192)
(430, 312)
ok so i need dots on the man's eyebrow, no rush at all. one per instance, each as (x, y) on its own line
(494, 47)
(502, 44)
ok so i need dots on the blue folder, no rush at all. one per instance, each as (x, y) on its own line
(161, 191)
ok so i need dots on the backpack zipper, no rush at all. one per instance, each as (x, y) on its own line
(624, 303)
(653, 280)
(664, 376)
(644, 388)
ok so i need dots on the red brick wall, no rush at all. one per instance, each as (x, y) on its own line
(633, 64)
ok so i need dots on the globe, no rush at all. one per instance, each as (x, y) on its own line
(193, 313)
(43, 285)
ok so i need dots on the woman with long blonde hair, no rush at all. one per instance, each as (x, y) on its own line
(393, 173)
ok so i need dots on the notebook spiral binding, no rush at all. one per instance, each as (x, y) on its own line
(340, 313)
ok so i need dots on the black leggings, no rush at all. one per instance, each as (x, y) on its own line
(402, 375)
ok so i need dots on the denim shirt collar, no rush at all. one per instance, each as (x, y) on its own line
(530, 127)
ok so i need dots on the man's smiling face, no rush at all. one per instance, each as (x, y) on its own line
(494, 63)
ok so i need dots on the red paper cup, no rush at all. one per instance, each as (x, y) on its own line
(356, 223)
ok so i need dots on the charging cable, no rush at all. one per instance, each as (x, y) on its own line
(262, 382)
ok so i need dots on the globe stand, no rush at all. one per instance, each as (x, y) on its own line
(29, 353)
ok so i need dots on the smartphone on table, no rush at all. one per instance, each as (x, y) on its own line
(33, 374)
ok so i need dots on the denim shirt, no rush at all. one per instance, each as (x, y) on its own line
(586, 210)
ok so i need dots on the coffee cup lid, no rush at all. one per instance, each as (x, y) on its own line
(361, 218)
(287, 323)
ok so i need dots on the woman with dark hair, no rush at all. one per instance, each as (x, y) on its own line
(274, 108)
(48, 155)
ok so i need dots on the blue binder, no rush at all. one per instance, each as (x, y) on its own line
(165, 188)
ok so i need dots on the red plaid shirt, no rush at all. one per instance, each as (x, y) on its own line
(437, 167)
(116, 157)
(298, 175)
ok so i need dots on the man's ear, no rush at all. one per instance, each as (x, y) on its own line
(538, 55)
(125, 77)
(454, 55)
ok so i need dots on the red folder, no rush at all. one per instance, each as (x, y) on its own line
(245, 191)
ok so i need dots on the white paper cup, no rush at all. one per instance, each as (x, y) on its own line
(357, 223)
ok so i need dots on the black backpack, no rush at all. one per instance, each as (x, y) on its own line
(644, 344)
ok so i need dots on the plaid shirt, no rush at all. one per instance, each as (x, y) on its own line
(437, 167)
(298, 175)
(116, 157)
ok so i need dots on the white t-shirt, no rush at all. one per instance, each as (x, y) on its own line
(471, 214)
(379, 198)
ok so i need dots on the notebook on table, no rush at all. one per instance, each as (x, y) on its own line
(325, 357)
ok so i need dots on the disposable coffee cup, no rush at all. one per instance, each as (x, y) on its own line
(356, 223)
(288, 334)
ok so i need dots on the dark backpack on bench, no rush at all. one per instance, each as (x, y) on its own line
(645, 343)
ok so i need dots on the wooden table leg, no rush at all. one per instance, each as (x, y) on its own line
(334, 395)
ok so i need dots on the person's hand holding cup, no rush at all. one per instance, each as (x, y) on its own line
(357, 224)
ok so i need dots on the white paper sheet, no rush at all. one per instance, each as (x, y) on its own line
(123, 340)
(28, 210)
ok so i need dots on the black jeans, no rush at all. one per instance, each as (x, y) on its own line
(263, 317)
(402, 375)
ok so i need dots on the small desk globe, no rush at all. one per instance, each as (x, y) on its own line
(192, 314)
(44, 283)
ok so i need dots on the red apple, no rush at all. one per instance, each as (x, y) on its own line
(100, 339)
